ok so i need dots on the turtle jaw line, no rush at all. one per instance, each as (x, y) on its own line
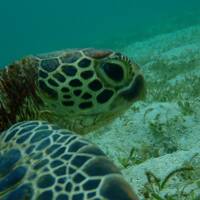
(136, 89)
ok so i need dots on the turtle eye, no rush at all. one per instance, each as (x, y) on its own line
(114, 71)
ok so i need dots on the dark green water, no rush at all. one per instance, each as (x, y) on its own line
(29, 27)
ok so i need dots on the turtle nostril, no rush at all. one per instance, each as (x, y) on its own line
(113, 71)
(136, 90)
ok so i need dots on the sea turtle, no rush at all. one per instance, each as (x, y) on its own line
(78, 90)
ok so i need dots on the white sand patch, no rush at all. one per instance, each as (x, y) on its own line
(161, 136)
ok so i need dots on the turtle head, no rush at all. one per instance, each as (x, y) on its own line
(123, 75)
(87, 88)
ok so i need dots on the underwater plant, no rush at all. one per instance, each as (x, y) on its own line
(182, 183)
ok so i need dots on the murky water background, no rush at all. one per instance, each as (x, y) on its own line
(29, 27)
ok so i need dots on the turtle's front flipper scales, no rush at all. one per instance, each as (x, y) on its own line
(11, 175)
(40, 161)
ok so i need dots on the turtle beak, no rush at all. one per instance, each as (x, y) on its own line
(136, 89)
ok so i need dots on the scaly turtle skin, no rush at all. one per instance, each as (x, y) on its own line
(80, 89)
(39, 161)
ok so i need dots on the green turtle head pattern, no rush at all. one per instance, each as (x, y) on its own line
(80, 89)
(88, 87)
(39, 161)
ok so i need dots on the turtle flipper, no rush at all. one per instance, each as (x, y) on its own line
(11, 175)
(39, 161)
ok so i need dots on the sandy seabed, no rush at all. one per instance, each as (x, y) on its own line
(161, 135)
